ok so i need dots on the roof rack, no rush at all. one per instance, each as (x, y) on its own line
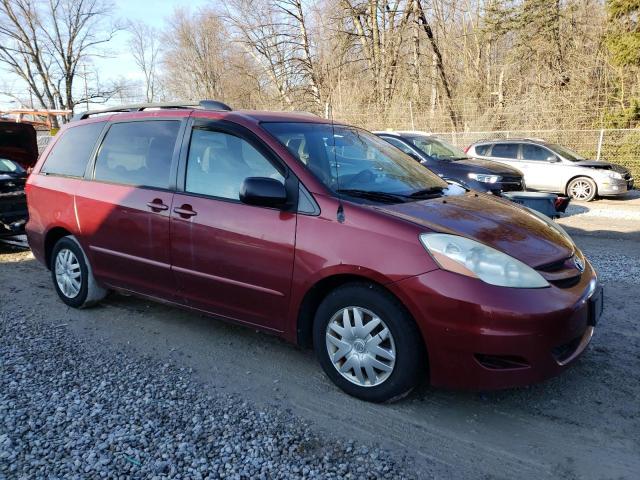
(202, 104)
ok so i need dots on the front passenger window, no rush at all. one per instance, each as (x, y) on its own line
(219, 162)
(534, 152)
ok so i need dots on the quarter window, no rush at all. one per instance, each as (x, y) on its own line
(483, 149)
(505, 150)
(534, 152)
(138, 153)
(71, 152)
(219, 162)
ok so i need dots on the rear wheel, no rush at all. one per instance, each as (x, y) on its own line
(582, 188)
(367, 343)
(72, 275)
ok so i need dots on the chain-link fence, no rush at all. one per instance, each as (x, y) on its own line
(620, 146)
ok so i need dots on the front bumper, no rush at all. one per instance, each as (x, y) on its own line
(613, 187)
(13, 213)
(483, 337)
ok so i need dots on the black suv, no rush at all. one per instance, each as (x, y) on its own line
(454, 165)
(18, 153)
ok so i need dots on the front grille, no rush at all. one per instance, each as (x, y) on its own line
(511, 184)
(561, 273)
(566, 282)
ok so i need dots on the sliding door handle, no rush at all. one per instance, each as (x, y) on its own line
(157, 205)
(185, 211)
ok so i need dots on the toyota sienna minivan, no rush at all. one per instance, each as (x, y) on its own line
(321, 233)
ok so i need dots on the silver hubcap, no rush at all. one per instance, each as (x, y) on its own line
(68, 273)
(360, 346)
(580, 190)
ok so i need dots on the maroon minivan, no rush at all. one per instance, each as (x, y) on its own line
(321, 233)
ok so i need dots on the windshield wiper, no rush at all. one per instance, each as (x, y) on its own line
(427, 192)
(373, 195)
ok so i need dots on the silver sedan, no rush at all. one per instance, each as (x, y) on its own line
(553, 168)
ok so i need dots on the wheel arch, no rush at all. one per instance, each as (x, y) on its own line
(318, 292)
(50, 239)
(573, 177)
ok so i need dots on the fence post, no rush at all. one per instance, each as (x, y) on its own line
(413, 126)
(326, 110)
(600, 144)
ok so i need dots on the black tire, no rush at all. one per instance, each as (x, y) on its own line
(410, 357)
(89, 292)
(590, 189)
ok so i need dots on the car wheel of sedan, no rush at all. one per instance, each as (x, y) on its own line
(367, 343)
(72, 275)
(582, 188)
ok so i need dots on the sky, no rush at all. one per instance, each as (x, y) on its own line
(120, 63)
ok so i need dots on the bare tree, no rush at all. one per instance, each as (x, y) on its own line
(145, 48)
(44, 42)
(276, 34)
(201, 62)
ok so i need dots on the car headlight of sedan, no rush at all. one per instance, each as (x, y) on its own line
(481, 177)
(473, 259)
(615, 175)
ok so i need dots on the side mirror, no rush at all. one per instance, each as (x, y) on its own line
(263, 191)
(552, 159)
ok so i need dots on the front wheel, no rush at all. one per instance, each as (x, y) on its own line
(367, 343)
(582, 188)
(72, 275)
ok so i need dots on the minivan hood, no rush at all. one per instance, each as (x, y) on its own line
(478, 165)
(494, 222)
(18, 142)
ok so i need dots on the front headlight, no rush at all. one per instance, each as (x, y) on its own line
(481, 177)
(615, 175)
(473, 259)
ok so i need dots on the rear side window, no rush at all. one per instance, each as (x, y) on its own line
(483, 149)
(138, 153)
(505, 150)
(70, 154)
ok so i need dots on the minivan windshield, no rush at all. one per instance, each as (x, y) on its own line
(437, 149)
(567, 153)
(357, 163)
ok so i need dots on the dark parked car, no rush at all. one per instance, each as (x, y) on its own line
(320, 233)
(18, 152)
(451, 163)
(553, 168)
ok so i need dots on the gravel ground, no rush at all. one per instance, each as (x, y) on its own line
(70, 410)
(134, 389)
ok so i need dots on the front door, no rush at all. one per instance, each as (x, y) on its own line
(229, 258)
(542, 168)
(123, 213)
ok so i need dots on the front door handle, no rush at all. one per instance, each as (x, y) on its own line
(185, 211)
(157, 206)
